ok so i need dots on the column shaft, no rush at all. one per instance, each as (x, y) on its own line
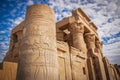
(77, 31)
(38, 54)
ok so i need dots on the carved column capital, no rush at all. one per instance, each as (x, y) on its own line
(77, 31)
(76, 28)
(89, 38)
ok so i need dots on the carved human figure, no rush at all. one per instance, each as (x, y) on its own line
(38, 54)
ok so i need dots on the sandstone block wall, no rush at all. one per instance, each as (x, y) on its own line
(8, 71)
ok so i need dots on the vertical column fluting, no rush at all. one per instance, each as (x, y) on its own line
(77, 31)
(38, 54)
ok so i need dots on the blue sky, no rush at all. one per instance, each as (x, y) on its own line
(104, 13)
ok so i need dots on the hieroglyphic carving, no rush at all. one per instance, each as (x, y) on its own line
(38, 58)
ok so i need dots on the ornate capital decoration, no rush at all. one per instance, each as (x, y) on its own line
(89, 38)
(76, 28)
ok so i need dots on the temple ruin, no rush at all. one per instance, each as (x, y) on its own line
(41, 49)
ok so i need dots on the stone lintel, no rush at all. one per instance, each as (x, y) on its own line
(79, 11)
(64, 23)
(93, 25)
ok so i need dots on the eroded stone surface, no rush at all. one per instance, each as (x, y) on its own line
(38, 57)
(69, 50)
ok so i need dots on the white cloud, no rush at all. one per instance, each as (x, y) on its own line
(18, 20)
(30, 2)
(112, 51)
(112, 6)
(100, 12)
(3, 45)
(1, 32)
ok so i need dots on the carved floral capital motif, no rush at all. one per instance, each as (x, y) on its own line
(76, 28)
(89, 38)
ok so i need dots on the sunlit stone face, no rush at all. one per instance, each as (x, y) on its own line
(39, 51)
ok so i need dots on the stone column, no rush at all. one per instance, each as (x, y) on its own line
(90, 40)
(107, 69)
(77, 31)
(97, 60)
(99, 46)
(38, 54)
(91, 70)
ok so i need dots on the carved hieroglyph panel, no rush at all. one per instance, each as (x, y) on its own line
(37, 50)
(38, 54)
